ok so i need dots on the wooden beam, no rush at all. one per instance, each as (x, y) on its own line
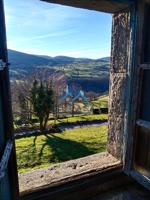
(109, 6)
(3, 47)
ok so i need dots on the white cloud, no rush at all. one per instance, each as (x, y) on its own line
(36, 27)
(49, 35)
(39, 14)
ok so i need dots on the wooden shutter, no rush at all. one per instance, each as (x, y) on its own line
(8, 172)
(137, 162)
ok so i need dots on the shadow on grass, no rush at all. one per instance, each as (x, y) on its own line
(34, 141)
(54, 148)
(64, 149)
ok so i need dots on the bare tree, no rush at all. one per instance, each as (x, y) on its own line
(59, 82)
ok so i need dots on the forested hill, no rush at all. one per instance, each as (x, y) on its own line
(19, 59)
(81, 69)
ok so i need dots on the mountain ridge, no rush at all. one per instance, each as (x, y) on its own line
(14, 54)
(91, 74)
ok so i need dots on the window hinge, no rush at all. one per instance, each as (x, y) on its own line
(5, 159)
(2, 65)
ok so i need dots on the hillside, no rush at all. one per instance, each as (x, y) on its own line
(91, 74)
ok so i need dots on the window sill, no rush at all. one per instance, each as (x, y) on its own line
(65, 172)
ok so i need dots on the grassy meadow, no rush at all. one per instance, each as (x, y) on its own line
(81, 118)
(40, 151)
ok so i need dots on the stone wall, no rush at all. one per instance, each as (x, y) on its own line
(118, 77)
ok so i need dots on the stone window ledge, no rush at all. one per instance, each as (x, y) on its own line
(67, 171)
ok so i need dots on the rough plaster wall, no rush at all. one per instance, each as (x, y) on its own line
(118, 73)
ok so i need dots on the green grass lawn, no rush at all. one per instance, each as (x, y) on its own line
(44, 150)
(101, 102)
(82, 118)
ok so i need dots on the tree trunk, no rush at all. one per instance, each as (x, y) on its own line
(45, 121)
(41, 125)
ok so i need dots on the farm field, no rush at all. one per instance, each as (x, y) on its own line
(73, 67)
(40, 151)
(96, 69)
(101, 102)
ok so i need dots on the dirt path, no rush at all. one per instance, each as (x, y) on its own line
(73, 126)
(64, 127)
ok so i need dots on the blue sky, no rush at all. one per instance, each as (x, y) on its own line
(48, 29)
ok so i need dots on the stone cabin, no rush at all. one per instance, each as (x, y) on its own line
(129, 113)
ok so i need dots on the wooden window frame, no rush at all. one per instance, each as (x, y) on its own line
(134, 58)
(137, 74)
(7, 114)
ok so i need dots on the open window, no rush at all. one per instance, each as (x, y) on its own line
(125, 124)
